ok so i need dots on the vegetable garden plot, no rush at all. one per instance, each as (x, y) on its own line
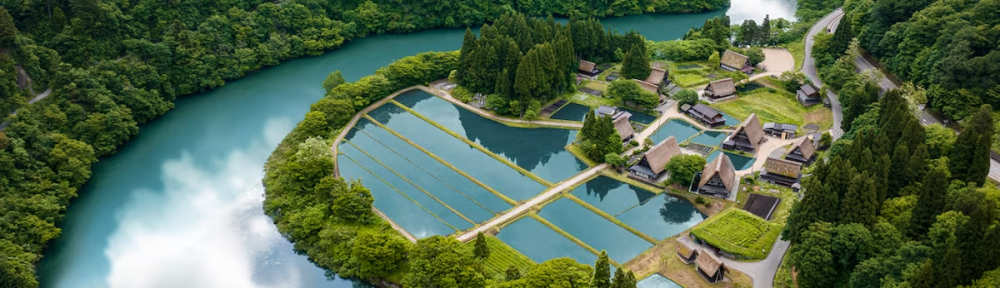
(739, 233)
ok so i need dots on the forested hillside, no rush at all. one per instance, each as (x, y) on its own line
(897, 203)
(112, 65)
(951, 48)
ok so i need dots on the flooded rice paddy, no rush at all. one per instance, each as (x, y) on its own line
(709, 138)
(740, 162)
(680, 129)
(657, 281)
(572, 112)
(659, 216)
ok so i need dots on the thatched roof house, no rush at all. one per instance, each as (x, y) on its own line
(656, 76)
(720, 88)
(589, 68)
(686, 252)
(747, 136)
(623, 126)
(718, 178)
(781, 172)
(710, 267)
(649, 87)
(654, 161)
(732, 61)
(802, 151)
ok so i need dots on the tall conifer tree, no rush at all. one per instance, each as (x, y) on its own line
(602, 272)
(930, 202)
(861, 201)
(464, 59)
(969, 160)
(636, 64)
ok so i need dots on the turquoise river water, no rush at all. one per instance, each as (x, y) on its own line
(180, 204)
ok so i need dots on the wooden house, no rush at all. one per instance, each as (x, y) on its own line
(718, 179)
(656, 76)
(803, 151)
(808, 95)
(781, 172)
(706, 115)
(710, 267)
(623, 126)
(686, 252)
(721, 88)
(588, 68)
(732, 61)
(653, 163)
(780, 130)
(747, 137)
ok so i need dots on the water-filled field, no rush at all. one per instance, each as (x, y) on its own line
(680, 129)
(659, 216)
(572, 112)
(594, 230)
(739, 162)
(657, 281)
(539, 150)
(709, 138)
(541, 243)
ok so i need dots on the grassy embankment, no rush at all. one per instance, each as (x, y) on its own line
(501, 257)
(777, 106)
(739, 233)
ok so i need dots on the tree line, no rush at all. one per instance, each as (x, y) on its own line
(112, 65)
(899, 204)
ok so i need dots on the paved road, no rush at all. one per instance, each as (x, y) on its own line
(551, 192)
(809, 68)
(32, 101)
(761, 272)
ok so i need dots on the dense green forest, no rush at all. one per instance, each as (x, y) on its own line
(897, 203)
(112, 65)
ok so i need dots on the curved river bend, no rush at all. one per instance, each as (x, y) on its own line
(180, 205)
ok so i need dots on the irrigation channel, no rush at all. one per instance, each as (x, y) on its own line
(180, 204)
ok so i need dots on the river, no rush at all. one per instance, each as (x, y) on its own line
(180, 204)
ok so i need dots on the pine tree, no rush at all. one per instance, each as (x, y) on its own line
(842, 37)
(619, 279)
(503, 86)
(602, 272)
(630, 281)
(978, 237)
(925, 276)
(525, 82)
(481, 250)
(484, 68)
(464, 59)
(636, 64)
(918, 164)
(914, 133)
(899, 177)
(949, 271)
(930, 202)
(8, 32)
(819, 204)
(813, 259)
(587, 132)
(969, 160)
(861, 202)
(512, 59)
(881, 177)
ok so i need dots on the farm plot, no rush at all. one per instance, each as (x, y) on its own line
(739, 233)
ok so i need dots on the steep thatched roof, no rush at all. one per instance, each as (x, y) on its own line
(656, 76)
(722, 87)
(623, 127)
(805, 147)
(751, 126)
(587, 66)
(649, 87)
(685, 249)
(734, 60)
(722, 166)
(708, 263)
(660, 155)
(783, 167)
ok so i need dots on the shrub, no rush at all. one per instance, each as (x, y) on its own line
(462, 94)
(686, 96)
(683, 167)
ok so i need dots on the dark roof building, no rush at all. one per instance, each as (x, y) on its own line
(761, 205)
(747, 136)
(718, 179)
(686, 252)
(605, 111)
(782, 130)
(781, 172)
(710, 267)
(706, 115)
(803, 152)
(654, 161)
(588, 68)
(808, 95)
(732, 61)
(720, 88)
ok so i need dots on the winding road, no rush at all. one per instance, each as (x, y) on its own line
(37, 98)
(809, 68)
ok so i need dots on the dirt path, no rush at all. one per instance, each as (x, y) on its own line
(523, 207)
(394, 226)
(764, 151)
(777, 60)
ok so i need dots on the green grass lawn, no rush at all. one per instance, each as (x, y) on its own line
(597, 86)
(501, 257)
(591, 100)
(688, 80)
(740, 233)
(776, 106)
(798, 50)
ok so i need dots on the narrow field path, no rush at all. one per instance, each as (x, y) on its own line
(523, 207)
(447, 96)
(395, 226)
(354, 121)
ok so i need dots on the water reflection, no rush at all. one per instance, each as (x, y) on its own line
(676, 210)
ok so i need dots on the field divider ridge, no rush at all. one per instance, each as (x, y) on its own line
(569, 236)
(439, 159)
(425, 171)
(411, 183)
(475, 145)
(398, 191)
